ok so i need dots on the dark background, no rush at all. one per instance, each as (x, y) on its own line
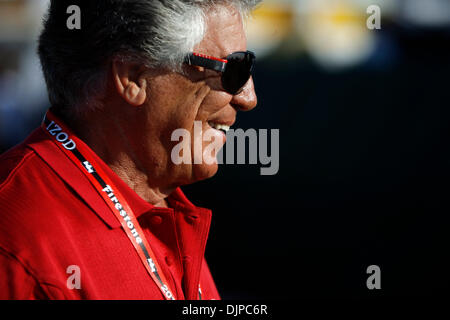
(363, 178)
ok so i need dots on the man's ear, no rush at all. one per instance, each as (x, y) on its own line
(129, 81)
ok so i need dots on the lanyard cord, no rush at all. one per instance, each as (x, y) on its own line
(74, 149)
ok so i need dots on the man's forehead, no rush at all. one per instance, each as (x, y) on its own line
(224, 33)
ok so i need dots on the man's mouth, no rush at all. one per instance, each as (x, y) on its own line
(222, 127)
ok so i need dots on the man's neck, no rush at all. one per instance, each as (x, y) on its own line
(104, 139)
(139, 182)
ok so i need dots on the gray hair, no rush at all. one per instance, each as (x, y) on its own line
(158, 32)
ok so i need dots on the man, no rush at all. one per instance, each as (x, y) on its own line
(91, 205)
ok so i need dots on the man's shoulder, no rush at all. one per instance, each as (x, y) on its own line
(27, 184)
(31, 196)
(18, 162)
(13, 162)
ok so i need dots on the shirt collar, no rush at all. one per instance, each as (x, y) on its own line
(74, 177)
(177, 200)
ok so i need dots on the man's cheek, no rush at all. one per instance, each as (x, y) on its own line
(213, 141)
(197, 149)
(194, 104)
(206, 143)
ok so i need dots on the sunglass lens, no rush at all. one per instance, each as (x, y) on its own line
(238, 71)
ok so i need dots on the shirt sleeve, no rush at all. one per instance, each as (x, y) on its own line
(17, 283)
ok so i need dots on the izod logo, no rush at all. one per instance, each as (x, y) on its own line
(60, 136)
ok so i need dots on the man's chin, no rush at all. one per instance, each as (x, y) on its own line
(204, 171)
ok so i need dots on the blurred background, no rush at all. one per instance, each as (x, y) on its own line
(364, 161)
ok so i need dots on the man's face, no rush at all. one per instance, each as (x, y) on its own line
(195, 99)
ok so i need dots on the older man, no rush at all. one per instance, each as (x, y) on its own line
(91, 205)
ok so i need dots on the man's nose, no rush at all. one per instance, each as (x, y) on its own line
(246, 100)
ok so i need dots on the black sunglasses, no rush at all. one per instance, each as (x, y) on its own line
(236, 68)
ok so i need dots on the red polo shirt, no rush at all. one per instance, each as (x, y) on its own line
(52, 218)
